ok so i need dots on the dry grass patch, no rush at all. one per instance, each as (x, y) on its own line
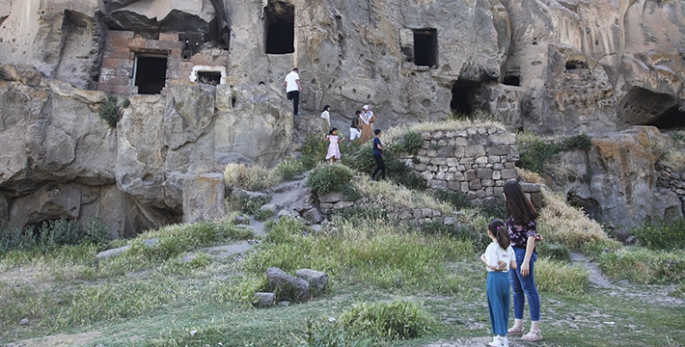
(571, 227)
(675, 159)
(530, 176)
(252, 178)
(391, 193)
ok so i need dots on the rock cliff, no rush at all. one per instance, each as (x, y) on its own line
(553, 66)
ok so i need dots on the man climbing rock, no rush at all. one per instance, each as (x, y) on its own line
(293, 88)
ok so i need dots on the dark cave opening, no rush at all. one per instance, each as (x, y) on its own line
(150, 73)
(280, 28)
(673, 118)
(463, 96)
(212, 78)
(512, 80)
(426, 47)
(589, 206)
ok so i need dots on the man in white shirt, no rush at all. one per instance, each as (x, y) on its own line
(293, 88)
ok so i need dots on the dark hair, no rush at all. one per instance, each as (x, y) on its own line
(357, 112)
(326, 107)
(519, 206)
(377, 131)
(499, 231)
(332, 130)
(261, 83)
(295, 69)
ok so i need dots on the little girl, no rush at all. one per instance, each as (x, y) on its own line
(333, 149)
(499, 258)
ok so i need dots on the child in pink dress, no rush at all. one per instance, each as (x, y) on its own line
(333, 148)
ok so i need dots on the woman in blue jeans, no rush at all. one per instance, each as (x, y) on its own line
(521, 224)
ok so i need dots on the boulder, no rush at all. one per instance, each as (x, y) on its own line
(317, 279)
(203, 198)
(260, 299)
(286, 286)
(52, 201)
(313, 216)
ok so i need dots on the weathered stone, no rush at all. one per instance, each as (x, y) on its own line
(530, 187)
(343, 204)
(203, 198)
(261, 299)
(484, 173)
(331, 197)
(508, 174)
(475, 184)
(51, 201)
(313, 216)
(287, 286)
(317, 279)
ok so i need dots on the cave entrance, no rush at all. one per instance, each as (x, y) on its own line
(588, 205)
(512, 80)
(426, 47)
(463, 97)
(150, 73)
(279, 22)
(672, 118)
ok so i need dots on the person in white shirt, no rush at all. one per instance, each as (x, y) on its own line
(293, 88)
(499, 258)
(326, 115)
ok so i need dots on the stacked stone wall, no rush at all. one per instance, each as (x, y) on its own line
(475, 161)
(671, 179)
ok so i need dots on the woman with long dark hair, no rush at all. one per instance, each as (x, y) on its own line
(522, 227)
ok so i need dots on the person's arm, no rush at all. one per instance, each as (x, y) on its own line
(530, 247)
(485, 260)
(512, 264)
(299, 87)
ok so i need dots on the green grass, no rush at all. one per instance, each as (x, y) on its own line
(641, 265)
(110, 111)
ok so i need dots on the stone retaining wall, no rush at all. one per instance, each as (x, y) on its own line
(670, 179)
(475, 161)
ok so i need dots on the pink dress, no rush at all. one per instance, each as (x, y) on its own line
(333, 149)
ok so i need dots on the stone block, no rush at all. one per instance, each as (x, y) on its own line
(437, 184)
(313, 216)
(326, 205)
(498, 149)
(289, 287)
(168, 37)
(481, 160)
(440, 175)
(484, 173)
(492, 159)
(475, 184)
(487, 183)
(508, 174)
(536, 199)
(317, 280)
(432, 153)
(453, 185)
(475, 151)
(459, 152)
(331, 197)
(496, 175)
(203, 198)
(450, 221)
(446, 151)
(480, 193)
(449, 176)
(464, 187)
(530, 187)
(498, 166)
(509, 165)
(439, 161)
(452, 161)
(427, 175)
(261, 299)
(488, 191)
(470, 175)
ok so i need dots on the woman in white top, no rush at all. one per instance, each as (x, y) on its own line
(327, 116)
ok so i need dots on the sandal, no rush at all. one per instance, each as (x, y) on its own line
(514, 331)
(533, 335)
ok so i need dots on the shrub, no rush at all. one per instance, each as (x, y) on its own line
(289, 168)
(643, 266)
(679, 291)
(125, 103)
(560, 278)
(332, 178)
(357, 214)
(661, 234)
(326, 334)
(535, 152)
(554, 252)
(412, 142)
(53, 233)
(109, 111)
(246, 203)
(314, 151)
(395, 320)
(2, 75)
(458, 200)
(678, 137)
(580, 142)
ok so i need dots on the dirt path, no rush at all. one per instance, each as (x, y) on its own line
(596, 276)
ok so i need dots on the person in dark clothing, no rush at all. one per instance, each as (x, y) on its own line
(378, 155)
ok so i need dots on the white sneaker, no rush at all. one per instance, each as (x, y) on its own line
(498, 341)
